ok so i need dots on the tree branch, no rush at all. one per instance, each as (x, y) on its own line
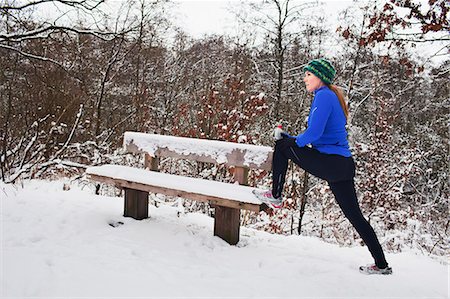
(36, 34)
(32, 56)
(82, 4)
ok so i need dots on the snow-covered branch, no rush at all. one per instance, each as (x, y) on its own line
(86, 4)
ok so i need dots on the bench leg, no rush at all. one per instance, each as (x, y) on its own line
(227, 224)
(136, 204)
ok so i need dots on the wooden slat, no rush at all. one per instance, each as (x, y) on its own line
(178, 193)
(235, 158)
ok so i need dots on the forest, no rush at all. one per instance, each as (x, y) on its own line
(73, 82)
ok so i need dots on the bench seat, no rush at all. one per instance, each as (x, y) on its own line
(216, 193)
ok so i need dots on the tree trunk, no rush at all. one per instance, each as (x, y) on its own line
(303, 202)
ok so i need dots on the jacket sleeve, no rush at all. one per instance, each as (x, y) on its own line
(318, 119)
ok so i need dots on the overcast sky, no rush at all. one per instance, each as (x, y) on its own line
(195, 17)
(208, 17)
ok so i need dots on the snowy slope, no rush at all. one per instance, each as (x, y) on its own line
(57, 243)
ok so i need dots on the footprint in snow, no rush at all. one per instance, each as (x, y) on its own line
(115, 223)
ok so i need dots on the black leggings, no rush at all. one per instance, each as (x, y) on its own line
(338, 171)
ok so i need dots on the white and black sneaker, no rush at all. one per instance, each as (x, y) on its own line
(267, 198)
(373, 269)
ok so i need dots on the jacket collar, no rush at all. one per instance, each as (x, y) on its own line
(320, 88)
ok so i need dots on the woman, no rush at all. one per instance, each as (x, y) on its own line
(328, 158)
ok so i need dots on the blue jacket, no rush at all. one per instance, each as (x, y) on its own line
(326, 125)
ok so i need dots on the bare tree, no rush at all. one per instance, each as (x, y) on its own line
(276, 20)
(22, 22)
(85, 65)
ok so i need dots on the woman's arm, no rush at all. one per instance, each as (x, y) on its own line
(318, 119)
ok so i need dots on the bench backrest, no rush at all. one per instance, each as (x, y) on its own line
(203, 150)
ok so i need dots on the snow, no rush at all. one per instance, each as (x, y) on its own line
(57, 243)
(176, 182)
(218, 150)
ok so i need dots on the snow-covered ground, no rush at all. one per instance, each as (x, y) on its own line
(57, 243)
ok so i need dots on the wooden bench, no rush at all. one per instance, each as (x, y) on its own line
(227, 199)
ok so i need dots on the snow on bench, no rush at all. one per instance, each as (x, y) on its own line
(227, 199)
(230, 195)
(203, 150)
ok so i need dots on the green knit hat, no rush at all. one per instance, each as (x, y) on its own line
(322, 68)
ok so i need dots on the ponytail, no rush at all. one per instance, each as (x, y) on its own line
(340, 94)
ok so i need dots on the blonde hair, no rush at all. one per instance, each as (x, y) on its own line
(340, 94)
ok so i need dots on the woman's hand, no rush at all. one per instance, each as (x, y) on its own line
(285, 143)
(286, 135)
